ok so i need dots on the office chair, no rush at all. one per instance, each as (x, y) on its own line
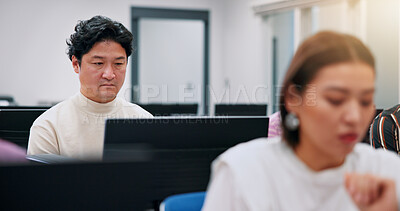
(184, 202)
(6, 100)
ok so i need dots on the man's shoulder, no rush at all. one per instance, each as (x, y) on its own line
(395, 110)
(390, 114)
(134, 108)
(54, 112)
(252, 151)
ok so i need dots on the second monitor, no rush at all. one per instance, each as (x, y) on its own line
(177, 150)
(159, 109)
(240, 109)
(180, 133)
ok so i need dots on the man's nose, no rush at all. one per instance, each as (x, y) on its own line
(108, 73)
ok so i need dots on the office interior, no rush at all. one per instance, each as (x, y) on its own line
(238, 54)
(244, 66)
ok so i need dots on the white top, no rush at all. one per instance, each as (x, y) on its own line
(75, 127)
(265, 174)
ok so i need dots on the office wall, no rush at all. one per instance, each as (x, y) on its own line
(283, 27)
(383, 39)
(171, 58)
(244, 55)
(377, 24)
(34, 66)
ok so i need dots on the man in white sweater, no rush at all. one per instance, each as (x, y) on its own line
(99, 51)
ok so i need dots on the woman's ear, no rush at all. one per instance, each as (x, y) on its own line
(75, 64)
(293, 99)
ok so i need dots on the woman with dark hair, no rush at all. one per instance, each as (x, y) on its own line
(326, 106)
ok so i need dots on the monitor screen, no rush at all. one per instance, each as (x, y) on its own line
(15, 123)
(170, 109)
(180, 150)
(367, 137)
(180, 133)
(77, 186)
(240, 109)
(183, 149)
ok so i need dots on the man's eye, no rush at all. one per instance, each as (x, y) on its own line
(98, 63)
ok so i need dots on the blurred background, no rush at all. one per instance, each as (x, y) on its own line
(205, 52)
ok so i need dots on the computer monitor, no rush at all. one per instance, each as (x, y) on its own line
(378, 111)
(6, 100)
(366, 138)
(138, 186)
(24, 107)
(181, 163)
(171, 109)
(240, 109)
(179, 150)
(15, 123)
(180, 133)
(78, 186)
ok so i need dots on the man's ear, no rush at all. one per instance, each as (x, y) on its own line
(75, 64)
(293, 99)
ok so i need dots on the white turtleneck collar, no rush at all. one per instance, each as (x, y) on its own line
(93, 107)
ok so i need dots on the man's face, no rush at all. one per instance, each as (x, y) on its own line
(102, 71)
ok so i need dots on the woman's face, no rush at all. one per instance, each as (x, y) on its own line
(335, 109)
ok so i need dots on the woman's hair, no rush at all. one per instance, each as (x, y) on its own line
(99, 28)
(322, 49)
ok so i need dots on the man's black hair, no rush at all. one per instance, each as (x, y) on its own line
(96, 29)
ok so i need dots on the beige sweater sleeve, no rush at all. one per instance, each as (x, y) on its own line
(42, 138)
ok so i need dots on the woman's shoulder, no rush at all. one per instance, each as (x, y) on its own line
(252, 151)
(366, 151)
(375, 160)
(252, 161)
